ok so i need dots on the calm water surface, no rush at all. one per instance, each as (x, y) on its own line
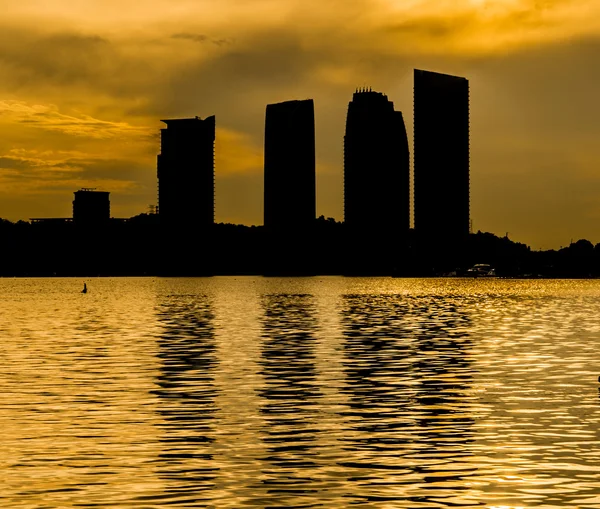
(298, 393)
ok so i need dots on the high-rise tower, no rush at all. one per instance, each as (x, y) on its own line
(441, 152)
(376, 165)
(290, 200)
(186, 189)
(91, 207)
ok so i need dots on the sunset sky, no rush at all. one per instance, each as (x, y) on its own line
(83, 84)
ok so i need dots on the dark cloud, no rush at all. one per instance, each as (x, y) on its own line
(191, 37)
(268, 67)
(468, 28)
(60, 58)
(201, 38)
(70, 65)
(432, 27)
(17, 163)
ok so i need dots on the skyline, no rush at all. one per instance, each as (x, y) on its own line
(82, 94)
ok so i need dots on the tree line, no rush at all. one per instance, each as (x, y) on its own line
(141, 246)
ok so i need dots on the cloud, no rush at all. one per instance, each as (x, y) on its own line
(63, 58)
(39, 171)
(18, 163)
(71, 68)
(48, 117)
(201, 38)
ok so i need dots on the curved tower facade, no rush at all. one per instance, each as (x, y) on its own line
(376, 165)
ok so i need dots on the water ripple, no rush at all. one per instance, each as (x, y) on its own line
(299, 393)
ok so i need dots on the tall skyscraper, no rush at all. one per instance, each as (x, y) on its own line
(376, 165)
(186, 175)
(441, 152)
(290, 196)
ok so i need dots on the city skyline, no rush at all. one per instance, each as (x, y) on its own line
(188, 163)
(82, 93)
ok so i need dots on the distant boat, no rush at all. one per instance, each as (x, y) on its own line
(84, 288)
(481, 270)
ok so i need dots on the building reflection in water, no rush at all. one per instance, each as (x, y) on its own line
(291, 397)
(187, 398)
(409, 421)
(446, 400)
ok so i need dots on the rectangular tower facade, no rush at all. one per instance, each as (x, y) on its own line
(290, 194)
(91, 207)
(376, 166)
(186, 174)
(441, 156)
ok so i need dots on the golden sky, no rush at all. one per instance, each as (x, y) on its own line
(83, 84)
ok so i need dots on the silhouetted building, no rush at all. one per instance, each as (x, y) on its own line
(441, 155)
(376, 165)
(91, 207)
(290, 200)
(186, 188)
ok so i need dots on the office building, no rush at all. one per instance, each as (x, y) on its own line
(91, 207)
(441, 155)
(376, 165)
(290, 199)
(186, 188)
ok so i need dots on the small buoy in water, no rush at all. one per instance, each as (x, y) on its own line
(84, 288)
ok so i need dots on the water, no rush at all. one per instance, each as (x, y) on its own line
(316, 392)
